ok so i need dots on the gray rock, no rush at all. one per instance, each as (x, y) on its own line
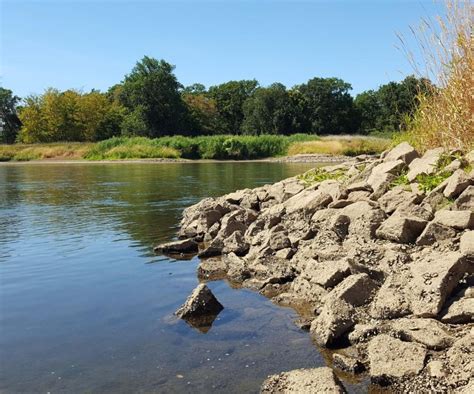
(356, 290)
(236, 243)
(466, 200)
(434, 277)
(347, 364)
(460, 220)
(428, 332)
(467, 243)
(435, 232)
(200, 302)
(279, 240)
(397, 197)
(403, 151)
(308, 201)
(183, 246)
(327, 274)
(212, 269)
(391, 359)
(424, 165)
(300, 381)
(461, 309)
(336, 318)
(391, 301)
(401, 229)
(362, 332)
(456, 184)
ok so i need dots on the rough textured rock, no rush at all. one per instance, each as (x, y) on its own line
(362, 332)
(434, 277)
(183, 246)
(467, 244)
(212, 268)
(316, 380)
(428, 332)
(460, 360)
(459, 220)
(466, 200)
(461, 308)
(348, 364)
(327, 275)
(424, 165)
(435, 232)
(456, 184)
(392, 359)
(356, 290)
(200, 302)
(308, 201)
(403, 151)
(336, 318)
(401, 229)
(397, 197)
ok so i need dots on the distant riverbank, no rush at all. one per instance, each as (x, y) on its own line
(298, 147)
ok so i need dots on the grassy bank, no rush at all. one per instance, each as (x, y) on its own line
(220, 147)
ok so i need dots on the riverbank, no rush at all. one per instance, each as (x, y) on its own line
(376, 255)
(180, 148)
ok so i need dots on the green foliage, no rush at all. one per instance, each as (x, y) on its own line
(385, 109)
(8, 115)
(429, 182)
(151, 94)
(327, 106)
(69, 116)
(400, 180)
(317, 175)
(229, 98)
(221, 147)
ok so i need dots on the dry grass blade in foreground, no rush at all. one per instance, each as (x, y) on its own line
(444, 116)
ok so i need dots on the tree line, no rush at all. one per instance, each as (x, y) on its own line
(151, 102)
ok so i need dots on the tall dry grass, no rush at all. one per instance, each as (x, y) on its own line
(445, 115)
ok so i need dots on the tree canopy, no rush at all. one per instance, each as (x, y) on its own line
(150, 101)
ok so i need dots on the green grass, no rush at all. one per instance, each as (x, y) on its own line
(317, 175)
(221, 147)
(429, 182)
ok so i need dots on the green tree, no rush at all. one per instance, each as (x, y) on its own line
(268, 111)
(328, 106)
(203, 113)
(230, 98)
(386, 108)
(69, 116)
(8, 116)
(151, 91)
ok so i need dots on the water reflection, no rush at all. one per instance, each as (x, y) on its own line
(81, 310)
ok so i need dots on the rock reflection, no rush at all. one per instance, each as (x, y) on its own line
(201, 323)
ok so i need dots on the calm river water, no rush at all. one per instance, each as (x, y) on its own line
(85, 306)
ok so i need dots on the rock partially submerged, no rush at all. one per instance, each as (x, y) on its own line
(200, 303)
(376, 262)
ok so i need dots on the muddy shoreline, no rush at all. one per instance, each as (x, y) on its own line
(306, 158)
(379, 265)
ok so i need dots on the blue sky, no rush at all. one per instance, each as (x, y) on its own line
(93, 44)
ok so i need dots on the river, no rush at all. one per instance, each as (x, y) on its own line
(85, 305)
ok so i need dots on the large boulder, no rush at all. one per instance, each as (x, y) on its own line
(466, 200)
(434, 276)
(308, 201)
(356, 290)
(401, 229)
(467, 244)
(459, 220)
(391, 359)
(391, 301)
(335, 319)
(201, 302)
(461, 311)
(460, 360)
(397, 197)
(300, 381)
(403, 151)
(428, 332)
(183, 246)
(435, 232)
(212, 269)
(427, 164)
(456, 184)
(325, 273)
